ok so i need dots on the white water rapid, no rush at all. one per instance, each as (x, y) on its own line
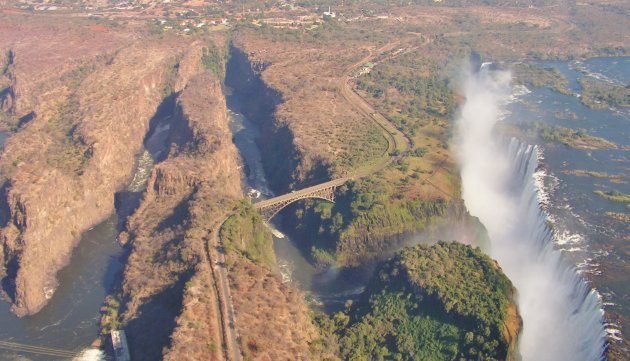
(562, 314)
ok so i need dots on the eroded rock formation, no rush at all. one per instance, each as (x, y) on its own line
(88, 108)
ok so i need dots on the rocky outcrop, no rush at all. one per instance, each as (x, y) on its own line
(62, 168)
(168, 302)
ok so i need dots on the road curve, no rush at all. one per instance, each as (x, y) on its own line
(369, 113)
(216, 252)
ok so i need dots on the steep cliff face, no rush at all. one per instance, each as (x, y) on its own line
(366, 224)
(377, 235)
(88, 118)
(168, 303)
(286, 165)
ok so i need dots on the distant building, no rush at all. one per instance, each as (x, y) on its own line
(119, 343)
(330, 14)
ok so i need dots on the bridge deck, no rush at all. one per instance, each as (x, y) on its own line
(302, 193)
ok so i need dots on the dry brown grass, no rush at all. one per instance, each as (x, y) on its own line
(325, 126)
(272, 318)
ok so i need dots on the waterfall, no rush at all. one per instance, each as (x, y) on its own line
(502, 185)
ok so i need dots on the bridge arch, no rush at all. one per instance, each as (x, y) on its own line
(269, 212)
(270, 207)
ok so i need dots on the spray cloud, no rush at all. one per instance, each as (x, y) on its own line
(562, 315)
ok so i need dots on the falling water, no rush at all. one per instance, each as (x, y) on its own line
(502, 185)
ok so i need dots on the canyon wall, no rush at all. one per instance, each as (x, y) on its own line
(167, 298)
(87, 120)
(259, 102)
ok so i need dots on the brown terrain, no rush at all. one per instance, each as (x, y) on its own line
(168, 268)
(82, 112)
(79, 96)
(325, 129)
(273, 319)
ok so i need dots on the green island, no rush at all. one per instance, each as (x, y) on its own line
(578, 139)
(615, 178)
(445, 302)
(614, 196)
(599, 94)
(532, 75)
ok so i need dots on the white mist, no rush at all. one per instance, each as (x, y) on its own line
(562, 316)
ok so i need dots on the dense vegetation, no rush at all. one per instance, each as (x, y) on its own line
(373, 216)
(541, 77)
(363, 223)
(444, 302)
(246, 232)
(409, 91)
(213, 59)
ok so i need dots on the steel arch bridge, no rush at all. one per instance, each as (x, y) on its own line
(326, 191)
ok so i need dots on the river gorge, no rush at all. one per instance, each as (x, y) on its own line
(273, 165)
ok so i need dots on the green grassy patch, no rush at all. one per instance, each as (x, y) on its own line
(245, 232)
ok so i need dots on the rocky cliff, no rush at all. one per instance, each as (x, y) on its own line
(167, 298)
(80, 113)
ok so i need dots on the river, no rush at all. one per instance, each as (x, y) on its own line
(70, 320)
(586, 232)
(325, 289)
(562, 244)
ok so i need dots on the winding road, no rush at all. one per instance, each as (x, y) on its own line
(398, 146)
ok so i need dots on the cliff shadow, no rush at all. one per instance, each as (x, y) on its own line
(4, 204)
(150, 332)
(156, 142)
(180, 214)
(258, 102)
(10, 261)
(125, 202)
(8, 282)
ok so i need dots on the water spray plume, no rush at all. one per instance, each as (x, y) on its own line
(562, 315)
